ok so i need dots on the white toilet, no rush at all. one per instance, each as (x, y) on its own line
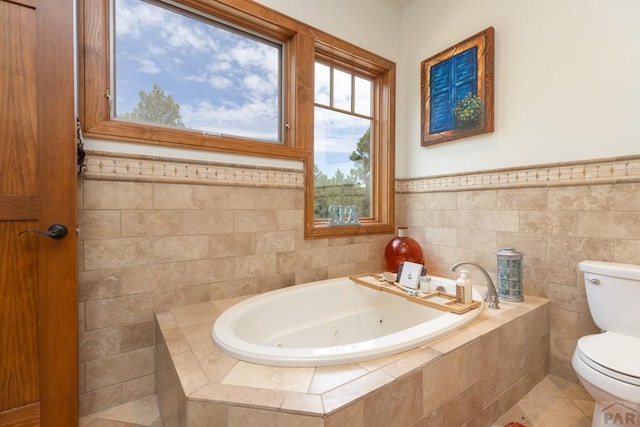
(608, 363)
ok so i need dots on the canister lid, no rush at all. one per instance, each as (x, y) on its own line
(509, 252)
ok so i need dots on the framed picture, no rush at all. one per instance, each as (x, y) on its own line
(457, 90)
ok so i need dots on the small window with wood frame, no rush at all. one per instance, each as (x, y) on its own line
(353, 163)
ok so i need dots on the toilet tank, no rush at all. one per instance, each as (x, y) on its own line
(613, 294)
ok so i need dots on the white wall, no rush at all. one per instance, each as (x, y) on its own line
(567, 82)
(371, 24)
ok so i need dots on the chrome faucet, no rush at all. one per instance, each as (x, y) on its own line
(491, 297)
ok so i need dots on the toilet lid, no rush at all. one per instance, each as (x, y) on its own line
(612, 354)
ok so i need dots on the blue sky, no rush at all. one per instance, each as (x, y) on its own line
(224, 82)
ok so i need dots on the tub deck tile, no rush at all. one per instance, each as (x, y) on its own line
(412, 360)
(326, 378)
(189, 372)
(330, 395)
(303, 403)
(269, 377)
(354, 390)
(215, 364)
(239, 395)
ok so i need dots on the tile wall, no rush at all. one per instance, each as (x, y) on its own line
(157, 233)
(557, 215)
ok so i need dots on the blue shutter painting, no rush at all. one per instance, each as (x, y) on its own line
(450, 81)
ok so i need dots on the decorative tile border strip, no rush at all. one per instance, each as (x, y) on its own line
(127, 167)
(601, 171)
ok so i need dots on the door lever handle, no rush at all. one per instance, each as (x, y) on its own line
(55, 231)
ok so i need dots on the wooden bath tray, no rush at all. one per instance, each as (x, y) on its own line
(438, 300)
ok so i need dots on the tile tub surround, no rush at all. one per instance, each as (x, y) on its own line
(557, 215)
(157, 233)
(470, 377)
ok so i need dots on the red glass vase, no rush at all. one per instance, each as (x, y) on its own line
(402, 248)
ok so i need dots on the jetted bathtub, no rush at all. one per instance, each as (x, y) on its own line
(331, 322)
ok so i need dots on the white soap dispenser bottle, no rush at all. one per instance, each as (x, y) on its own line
(463, 288)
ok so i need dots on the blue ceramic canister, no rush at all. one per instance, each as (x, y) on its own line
(509, 275)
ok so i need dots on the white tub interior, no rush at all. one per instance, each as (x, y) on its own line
(331, 322)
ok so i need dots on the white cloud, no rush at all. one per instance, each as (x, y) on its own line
(148, 66)
(252, 120)
(156, 50)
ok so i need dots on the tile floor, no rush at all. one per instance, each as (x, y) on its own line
(553, 402)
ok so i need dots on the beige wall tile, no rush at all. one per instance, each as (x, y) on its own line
(181, 196)
(180, 248)
(289, 219)
(580, 198)
(98, 224)
(352, 416)
(175, 222)
(476, 239)
(135, 336)
(585, 325)
(476, 200)
(254, 265)
(400, 403)
(113, 370)
(97, 284)
(151, 277)
(245, 417)
(99, 343)
(206, 414)
(564, 322)
(549, 222)
(116, 195)
(271, 198)
(627, 251)
(113, 253)
(222, 197)
(522, 199)
(563, 346)
(581, 248)
(617, 225)
(98, 400)
(531, 245)
(414, 201)
(138, 388)
(441, 236)
(569, 298)
(118, 310)
(247, 220)
(464, 406)
(495, 220)
(206, 271)
(446, 200)
(625, 197)
(232, 244)
(274, 241)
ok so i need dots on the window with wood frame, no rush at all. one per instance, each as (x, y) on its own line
(235, 76)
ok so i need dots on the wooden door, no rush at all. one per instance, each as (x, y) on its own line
(38, 305)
